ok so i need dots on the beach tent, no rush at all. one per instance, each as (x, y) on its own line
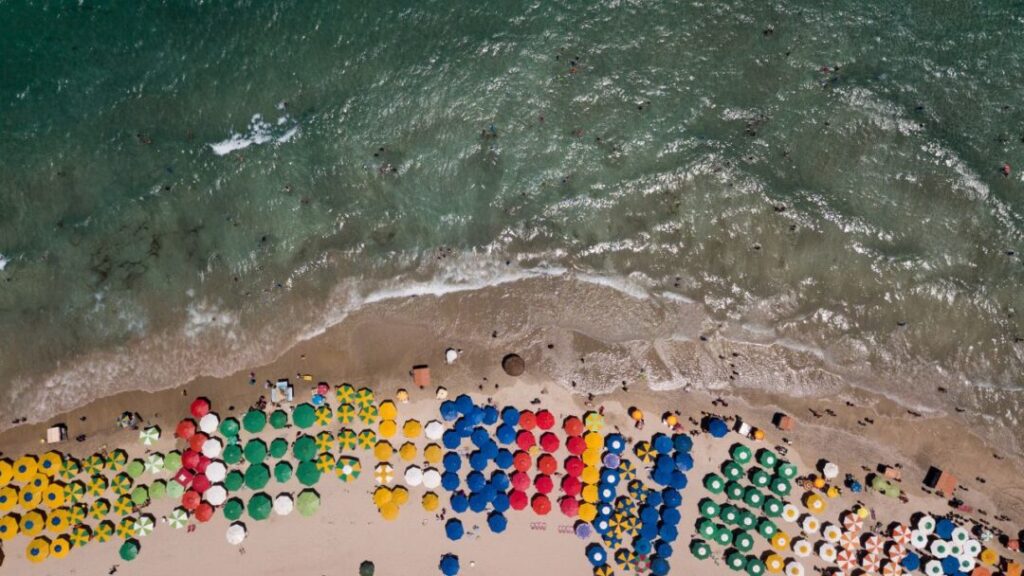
(235, 533)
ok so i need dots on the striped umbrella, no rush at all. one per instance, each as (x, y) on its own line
(75, 491)
(644, 452)
(345, 394)
(364, 398)
(104, 531)
(891, 569)
(346, 413)
(625, 559)
(155, 463)
(873, 544)
(80, 536)
(121, 484)
(847, 561)
(347, 439)
(603, 570)
(901, 534)
(93, 464)
(116, 459)
(367, 439)
(369, 414)
(627, 471)
(323, 415)
(325, 462)
(870, 563)
(123, 505)
(852, 522)
(178, 518)
(896, 551)
(100, 508)
(143, 526)
(149, 436)
(77, 513)
(70, 468)
(849, 541)
(324, 442)
(384, 473)
(126, 528)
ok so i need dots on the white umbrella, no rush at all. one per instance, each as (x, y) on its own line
(178, 518)
(235, 534)
(154, 463)
(149, 436)
(431, 478)
(829, 470)
(433, 430)
(413, 476)
(216, 471)
(209, 423)
(215, 495)
(384, 473)
(283, 504)
(212, 448)
(143, 526)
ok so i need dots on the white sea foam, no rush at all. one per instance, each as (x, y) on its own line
(259, 132)
(3, 262)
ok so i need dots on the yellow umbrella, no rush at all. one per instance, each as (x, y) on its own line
(123, 505)
(93, 464)
(37, 550)
(104, 531)
(98, 485)
(80, 536)
(32, 523)
(346, 439)
(989, 557)
(60, 547)
(8, 498)
(368, 414)
(30, 499)
(6, 472)
(387, 428)
(412, 429)
(346, 413)
(324, 442)
(51, 463)
(590, 475)
(593, 421)
(780, 541)
(400, 495)
(407, 452)
(644, 451)
(25, 468)
(324, 416)
(126, 528)
(100, 508)
(389, 511)
(117, 459)
(58, 522)
(53, 496)
(383, 450)
(587, 511)
(591, 457)
(430, 502)
(76, 514)
(381, 496)
(589, 494)
(433, 453)
(38, 482)
(364, 398)
(345, 394)
(70, 468)
(74, 491)
(387, 410)
(402, 395)
(8, 527)
(593, 440)
(366, 439)
(774, 563)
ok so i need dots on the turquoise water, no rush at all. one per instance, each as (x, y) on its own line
(187, 186)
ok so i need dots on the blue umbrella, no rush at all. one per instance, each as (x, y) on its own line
(662, 477)
(500, 481)
(605, 509)
(464, 404)
(659, 566)
(506, 433)
(944, 528)
(476, 415)
(449, 481)
(663, 549)
(480, 436)
(678, 480)
(682, 442)
(489, 450)
(717, 427)
(615, 443)
(671, 516)
(478, 502)
(451, 439)
(671, 497)
(504, 458)
(459, 502)
(449, 565)
(453, 529)
(500, 502)
(448, 411)
(605, 492)
(477, 460)
(654, 499)
(641, 546)
(490, 415)
(451, 462)
(611, 460)
(648, 514)
(683, 460)
(662, 444)
(596, 554)
(488, 492)
(463, 427)
(601, 525)
(950, 565)
(583, 530)
(911, 562)
(497, 522)
(668, 533)
(610, 476)
(475, 480)
(510, 416)
(649, 531)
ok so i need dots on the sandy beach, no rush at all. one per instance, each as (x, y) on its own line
(568, 373)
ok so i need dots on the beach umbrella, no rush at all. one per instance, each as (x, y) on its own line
(126, 528)
(368, 414)
(433, 430)
(143, 526)
(453, 529)
(345, 393)
(364, 397)
(852, 522)
(116, 459)
(413, 475)
(433, 453)
(304, 416)
(347, 468)
(366, 439)
(346, 413)
(849, 541)
(233, 482)
(70, 467)
(790, 513)
(195, 443)
(780, 487)
(200, 407)
(235, 533)
(154, 463)
(449, 565)
(324, 463)
(216, 495)
(37, 550)
(135, 468)
(714, 484)
(123, 505)
(212, 448)
(541, 504)
(307, 503)
(259, 506)
(254, 421)
(283, 504)
(257, 476)
(209, 423)
(496, 522)
(801, 547)
(384, 473)
(129, 550)
(9, 497)
(307, 473)
(911, 562)
(593, 421)
(104, 531)
(80, 536)
(172, 460)
(50, 464)
(780, 541)
(233, 509)
(93, 464)
(872, 544)
(323, 415)
(383, 450)
(282, 472)
(596, 554)
(185, 429)
(754, 567)
(229, 427)
(255, 451)
(54, 496)
(140, 495)
(324, 441)
(810, 524)
(23, 469)
(870, 563)
(431, 478)
(347, 439)
(831, 533)
(216, 472)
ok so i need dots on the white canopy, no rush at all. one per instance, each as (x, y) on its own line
(236, 533)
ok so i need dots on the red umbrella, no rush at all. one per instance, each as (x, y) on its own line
(570, 507)
(185, 429)
(190, 459)
(541, 504)
(203, 512)
(545, 420)
(547, 464)
(525, 440)
(527, 420)
(183, 477)
(571, 486)
(543, 484)
(517, 500)
(520, 481)
(200, 407)
(200, 483)
(521, 461)
(190, 500)
(573, 426)
(576, 445)
(197, 440)
(573, 466)
(549, 442)
(202, 464)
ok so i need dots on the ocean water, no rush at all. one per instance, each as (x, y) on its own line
(188, 186)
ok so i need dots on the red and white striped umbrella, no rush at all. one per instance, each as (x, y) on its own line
(892, 569)
(852, 522)
(873, 544)
(849, 541)
(901, 534)
(896, 551)
(847, 561)
(870, 563)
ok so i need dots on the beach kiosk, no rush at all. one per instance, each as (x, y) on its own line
(56, 434)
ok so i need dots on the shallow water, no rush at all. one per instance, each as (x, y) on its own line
(188, 188)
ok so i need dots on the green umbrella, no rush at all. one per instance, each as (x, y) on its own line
(278, 419)
(129, 550)
(706, 528)
(158, 489)
(753, 497)
(255, 451)
(729, 514)
(732, 470)
(714, 483)
(699, 549)
(259, 506)
(140, 495)
(723, 536)
(304, 415)
(178, 518)
(254, 421)
(754, 566)
(759, 477)
(307, 473)
(257, 476)
(767, 458)
(780, 486)
(786, 470)
(135, 468)
(736, 561)
(308, 502)
(366, 568)
(746, 519)
(346, 439)
(772, 507)
(282, 472)
(278, 447)
(742, 541)
(232, 454)
(172, 461)
(175, 490)
(233, 509)
(229, 427)
(708, 508)
(767, 528)
(740, 454)
(233, 481)
(734, 491)
(149, 436)
(155, 463)
(304, 448)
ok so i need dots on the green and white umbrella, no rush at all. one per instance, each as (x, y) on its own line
(149, 436)
(155, 463)
(178, 518)
(144, 526)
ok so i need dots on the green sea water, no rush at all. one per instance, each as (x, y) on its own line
(186, 186)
